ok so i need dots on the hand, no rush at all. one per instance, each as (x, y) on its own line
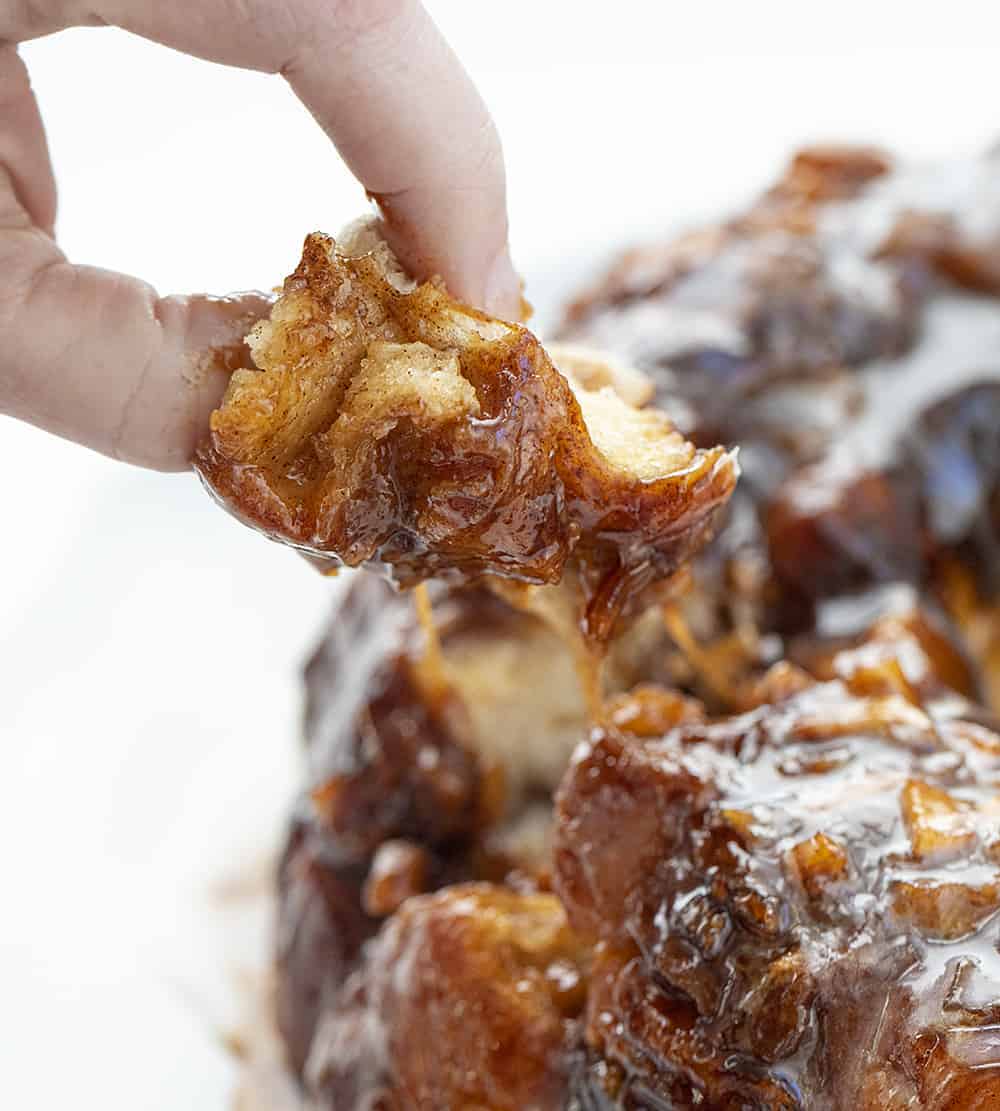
(99, 357)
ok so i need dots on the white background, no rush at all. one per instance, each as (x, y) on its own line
(149, 646)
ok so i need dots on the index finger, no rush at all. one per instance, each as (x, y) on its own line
(410, 124)
(385, 86)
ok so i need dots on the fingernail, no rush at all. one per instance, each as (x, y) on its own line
(503, 288)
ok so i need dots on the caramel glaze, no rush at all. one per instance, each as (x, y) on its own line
(815, 764)
(795, 907)
(495, 474)
(929, 515)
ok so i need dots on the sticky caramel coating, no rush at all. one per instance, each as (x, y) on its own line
(835, 528)
(909, 648)
(424, 771)
(388, 424)
(403, 746)
(403, 768)
(465, 1000)
(936, 496)
(766, 888)
(954, 449)
(749, 313)
(928, 515)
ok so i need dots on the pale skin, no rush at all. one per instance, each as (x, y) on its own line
(100, 357)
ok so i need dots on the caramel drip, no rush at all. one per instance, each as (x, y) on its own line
(589, 662)
(718, 681)
(431, 665)
(558, 608)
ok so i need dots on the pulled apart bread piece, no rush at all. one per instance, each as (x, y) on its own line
(388, 424)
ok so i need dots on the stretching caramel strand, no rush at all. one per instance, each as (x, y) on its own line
(432, 669)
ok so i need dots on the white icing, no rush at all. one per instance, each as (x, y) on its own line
(966, 190)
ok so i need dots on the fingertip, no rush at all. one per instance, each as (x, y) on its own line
(502, 292)
(431, 240)
(159, 402)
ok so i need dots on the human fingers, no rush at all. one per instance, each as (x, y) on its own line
(391, 94)
(98, 356)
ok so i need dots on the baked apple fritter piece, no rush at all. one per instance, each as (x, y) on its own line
(387, 424)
